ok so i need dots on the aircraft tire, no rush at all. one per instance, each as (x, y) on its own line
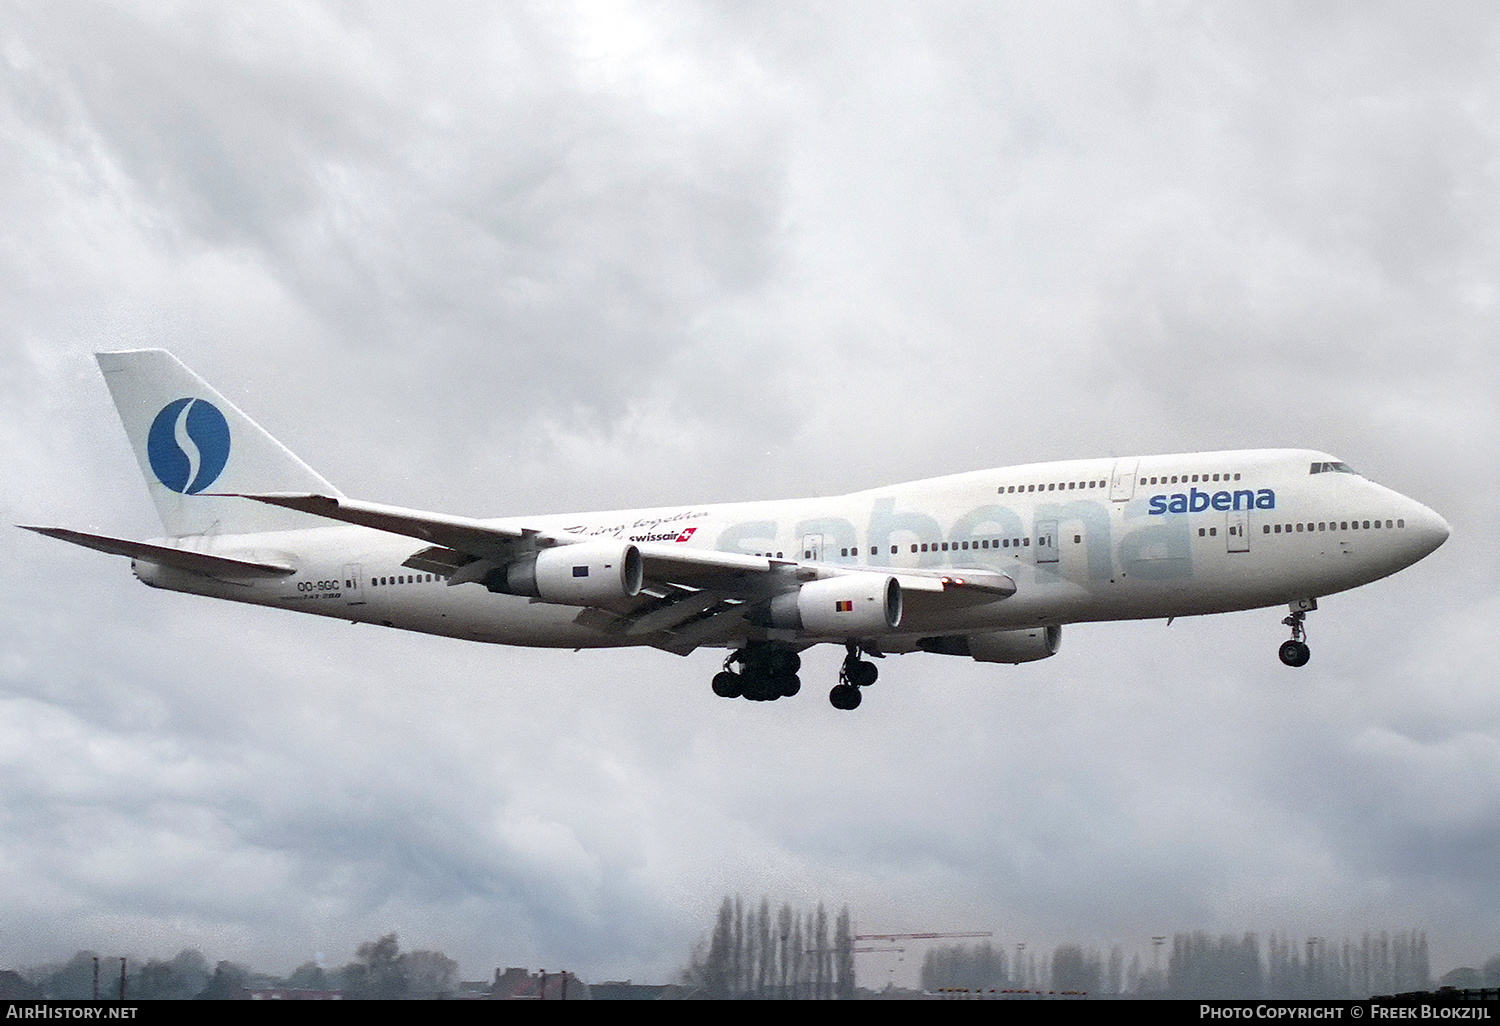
(1295, 653)
(728, 685)
(761, 689)
(862, 674)
(844, 696)
(789, 684)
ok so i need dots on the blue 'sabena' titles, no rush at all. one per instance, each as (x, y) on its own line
(1197, 502)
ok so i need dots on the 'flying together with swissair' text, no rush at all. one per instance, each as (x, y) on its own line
(988, 564)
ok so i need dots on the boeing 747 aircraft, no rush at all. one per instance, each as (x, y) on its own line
(989, 564)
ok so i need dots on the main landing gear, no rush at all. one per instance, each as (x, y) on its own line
(1296, 652)
(853, 675)
(766, 672)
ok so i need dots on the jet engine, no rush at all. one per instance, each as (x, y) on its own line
(847, 606)
(602, 573)
(1018, 646)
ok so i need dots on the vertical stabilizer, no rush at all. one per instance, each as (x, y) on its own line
(192, 442)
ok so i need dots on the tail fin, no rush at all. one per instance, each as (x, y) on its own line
(192, 442)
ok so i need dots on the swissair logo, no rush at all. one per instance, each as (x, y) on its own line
(665, 536)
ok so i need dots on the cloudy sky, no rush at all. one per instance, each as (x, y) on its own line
(523, 258)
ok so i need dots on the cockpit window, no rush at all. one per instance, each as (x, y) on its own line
(1332, 468)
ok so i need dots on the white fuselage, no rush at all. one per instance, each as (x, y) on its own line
(1083, 540)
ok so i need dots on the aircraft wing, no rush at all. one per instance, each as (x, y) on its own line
(664, 561)
(478, 538)
(203, 563)
(691, 596)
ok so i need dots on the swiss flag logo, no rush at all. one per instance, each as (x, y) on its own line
(686, 534)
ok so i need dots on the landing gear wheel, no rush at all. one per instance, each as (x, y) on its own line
(1296, 652)
(789, 684)
(761, 689)
(856, 672)
(844, 696)
(861, 674)
(728, 685)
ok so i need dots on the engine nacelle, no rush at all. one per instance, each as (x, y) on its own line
(841, 607)
(602, 573)
(1019, 646)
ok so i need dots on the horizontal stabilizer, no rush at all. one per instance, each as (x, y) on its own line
(164, 555)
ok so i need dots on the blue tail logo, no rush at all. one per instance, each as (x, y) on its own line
(188, 445)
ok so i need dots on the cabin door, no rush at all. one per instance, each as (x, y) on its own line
(354, 585)
(1122, 480)
(1046, 541)
(1237, 530)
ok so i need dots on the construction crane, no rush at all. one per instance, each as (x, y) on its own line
(893, 937)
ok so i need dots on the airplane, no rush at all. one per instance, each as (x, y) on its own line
(987, 565)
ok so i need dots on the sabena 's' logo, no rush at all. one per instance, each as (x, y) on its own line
(188, 445)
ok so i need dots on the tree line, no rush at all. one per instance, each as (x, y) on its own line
(1199, 967)
(788, 955)
(380, 969)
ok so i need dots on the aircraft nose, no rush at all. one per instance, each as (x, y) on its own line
(1431, 530)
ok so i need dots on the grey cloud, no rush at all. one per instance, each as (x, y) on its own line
(528, 259)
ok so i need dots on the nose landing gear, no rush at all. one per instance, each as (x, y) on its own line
(1295, 652)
